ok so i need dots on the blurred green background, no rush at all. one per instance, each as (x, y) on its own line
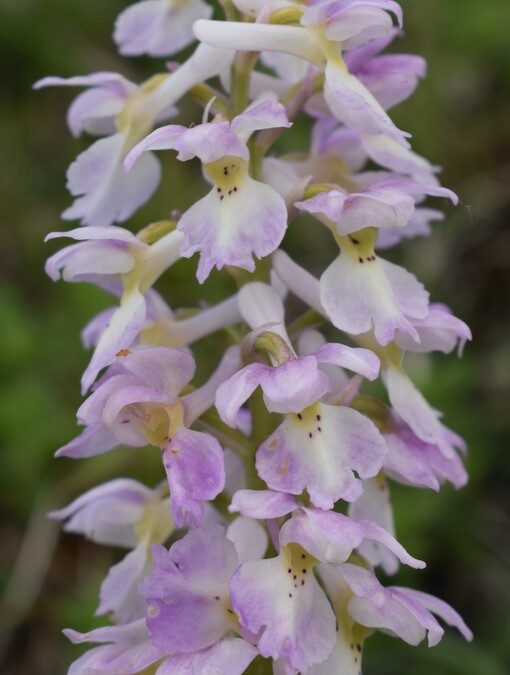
(460, 119)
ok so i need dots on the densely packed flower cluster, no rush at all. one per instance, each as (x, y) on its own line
(263, 542)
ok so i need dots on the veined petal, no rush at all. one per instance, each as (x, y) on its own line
(235, 391)
(230, 656)
(401, 611)
(352, 103)
(319, 449)
(114, 82)
(158, 27)
(390, 153)
(437, 606)
(407, 460)
(107, 194)
(262, 504)
(281, 599)
(88, 259)
(160, 367)
(190, 587)
(209, 142)
(375, 506)
(381, 207)
(111, 235)
(339, 10)
(360, 23)
(310, 340)
(294, 385)
(233, 223)
(263, 114)
(361, 361)
(120, 501)
(118, 594)
(121, 332)
(391, 78)
(91, 410)
(439, 330)
(418, 226)
(195, 470)
(331, 537)
(94, 111)
(331, 203)
(249, 538)
(95, 440)
(130, 651)
(358, 293)
(127, 413)
(163, 138)
(414, 409)
(376, 607)
(344, 659)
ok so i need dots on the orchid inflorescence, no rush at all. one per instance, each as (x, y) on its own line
(260, 549)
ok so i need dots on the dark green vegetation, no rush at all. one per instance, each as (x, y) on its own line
(460, 119)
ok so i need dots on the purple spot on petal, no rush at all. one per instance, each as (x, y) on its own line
(283, 468)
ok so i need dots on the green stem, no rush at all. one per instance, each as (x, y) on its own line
(231, 11)
(240, 87)
(306, 320)
(232, 438)
(261, 273)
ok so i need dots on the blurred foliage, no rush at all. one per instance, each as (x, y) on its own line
(460, 119)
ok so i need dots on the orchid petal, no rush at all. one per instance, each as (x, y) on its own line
(158, 27)
(319, 450)
(195, 470)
